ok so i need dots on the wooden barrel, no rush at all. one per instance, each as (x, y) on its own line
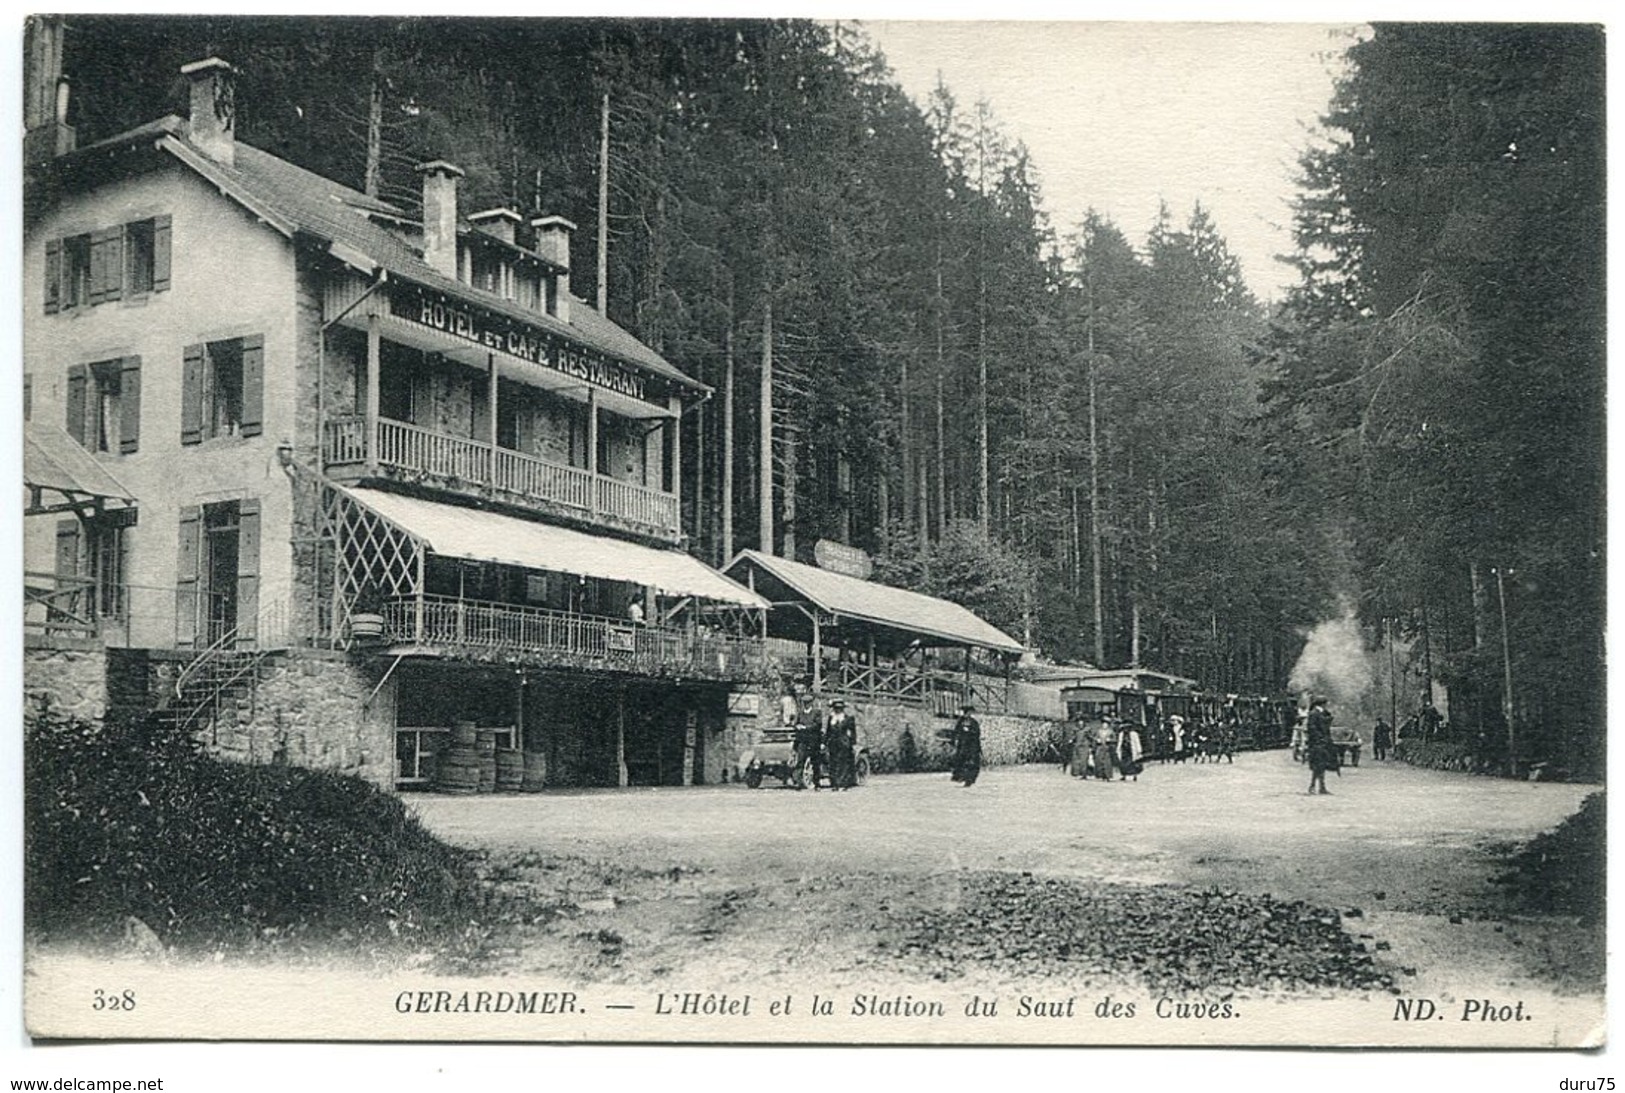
(463, 734)
(510, 770)
(485, 744)
(457, 771)
(535, 772)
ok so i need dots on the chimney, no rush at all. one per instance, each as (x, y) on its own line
(212, 125)
(46, 132)
(498, 223)
(553, 244)
(440, 215)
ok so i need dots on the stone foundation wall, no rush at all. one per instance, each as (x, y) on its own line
(307, 711)
(65, 679)
(898, 738)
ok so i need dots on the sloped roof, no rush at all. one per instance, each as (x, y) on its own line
(293, 199)
(880, 604)
(54, 461)
(456, 532)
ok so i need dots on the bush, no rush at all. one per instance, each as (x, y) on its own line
(132, 819)
(1564, 871)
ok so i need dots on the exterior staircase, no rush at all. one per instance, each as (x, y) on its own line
(220, 683)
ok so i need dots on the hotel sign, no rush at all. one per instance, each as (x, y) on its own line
(493, 331)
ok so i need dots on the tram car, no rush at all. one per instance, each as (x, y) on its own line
(1210, 722)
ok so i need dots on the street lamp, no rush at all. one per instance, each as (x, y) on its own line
(1506, 663)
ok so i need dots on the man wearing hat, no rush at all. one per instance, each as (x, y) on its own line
(967, 737)
(841, 738)
(809, 740)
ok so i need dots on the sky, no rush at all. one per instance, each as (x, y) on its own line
(1121, 116)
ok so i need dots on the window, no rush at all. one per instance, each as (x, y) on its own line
(489, 272)
(91, 564)
(139, 252)
(76, 271)
(104, 405)
(97, 267)
(402, 375)
(108, 547)
(222, 389)
(217, 572)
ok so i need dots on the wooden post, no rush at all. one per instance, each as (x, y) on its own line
(690, 743)
(519, 711)
(592, 450)
(491, 413)
(417, 633)
(620, 737)
(374, 356)
(817, 654)
(675, 424)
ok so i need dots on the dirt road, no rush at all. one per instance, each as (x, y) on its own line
(735, 885)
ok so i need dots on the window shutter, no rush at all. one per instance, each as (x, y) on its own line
(253, 385)
(192, 395)
(98, 266)
(67, 548)
(160, 253)
(187, 607)
(122, 605)
(78, 380)
(248, 570)
(129, 426)
(109, 245)
(28, 397)
(70, 602)
(53, 276)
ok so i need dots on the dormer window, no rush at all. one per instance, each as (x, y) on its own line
(486, 272)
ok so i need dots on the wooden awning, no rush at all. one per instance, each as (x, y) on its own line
(60, 476)
(898, 617)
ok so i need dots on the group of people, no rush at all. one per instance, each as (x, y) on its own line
(1106, 748)
(820, 738)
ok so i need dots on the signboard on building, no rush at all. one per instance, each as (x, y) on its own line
(503, 334)
(840, 558)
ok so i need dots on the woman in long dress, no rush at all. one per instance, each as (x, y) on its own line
(1130, 755)
(1101, 751)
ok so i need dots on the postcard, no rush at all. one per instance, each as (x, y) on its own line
(787, 532)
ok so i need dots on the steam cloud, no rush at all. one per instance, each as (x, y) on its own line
(1336, 663)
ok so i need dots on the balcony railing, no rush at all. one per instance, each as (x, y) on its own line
(416, 450)
(149, 616)
(570, 639)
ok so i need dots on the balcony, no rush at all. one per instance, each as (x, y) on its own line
(512, 633)
(411, 453)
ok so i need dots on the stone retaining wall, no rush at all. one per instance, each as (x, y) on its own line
(898, 738)
(307, 711)
(65, 678)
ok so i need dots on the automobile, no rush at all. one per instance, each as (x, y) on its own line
(773, 756)
(1346, 738)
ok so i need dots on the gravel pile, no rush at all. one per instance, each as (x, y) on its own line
(1171, 940)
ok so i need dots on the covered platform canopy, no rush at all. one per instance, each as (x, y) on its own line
(60, 476)
(827, 608)
(453, 531)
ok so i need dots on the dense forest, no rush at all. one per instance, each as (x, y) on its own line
(1103, 443)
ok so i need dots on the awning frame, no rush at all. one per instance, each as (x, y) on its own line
(377, 558)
